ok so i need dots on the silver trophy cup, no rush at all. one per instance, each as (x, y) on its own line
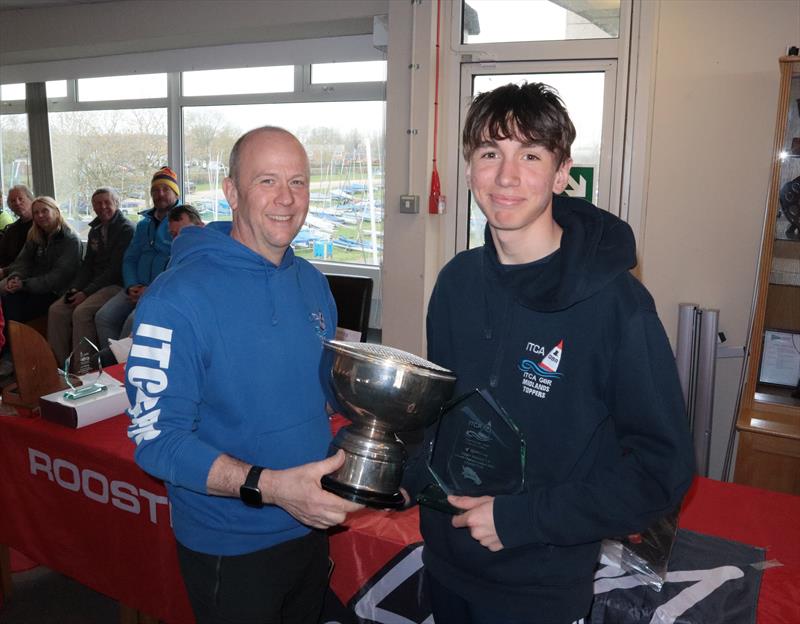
(383, 391)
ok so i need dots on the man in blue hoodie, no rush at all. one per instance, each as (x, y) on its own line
(227, 404)
(547, 319)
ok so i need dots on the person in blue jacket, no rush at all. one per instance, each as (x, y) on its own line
(547, 318)
(227, 403)
(145, 258)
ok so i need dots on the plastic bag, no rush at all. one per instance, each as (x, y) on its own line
(646, 554)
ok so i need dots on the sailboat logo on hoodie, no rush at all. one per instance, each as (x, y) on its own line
(537, 378)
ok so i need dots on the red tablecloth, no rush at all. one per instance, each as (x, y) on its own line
(75, 501)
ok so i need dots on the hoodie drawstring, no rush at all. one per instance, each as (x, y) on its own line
(488, 331)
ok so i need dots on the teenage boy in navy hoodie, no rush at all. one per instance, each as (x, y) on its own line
(549, 296)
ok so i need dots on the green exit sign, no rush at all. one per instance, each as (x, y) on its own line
(581, 183)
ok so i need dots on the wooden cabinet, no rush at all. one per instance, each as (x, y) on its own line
(768, 419)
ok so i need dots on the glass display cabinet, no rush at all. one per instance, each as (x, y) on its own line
(768, 418)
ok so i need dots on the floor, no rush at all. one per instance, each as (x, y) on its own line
(42, 596)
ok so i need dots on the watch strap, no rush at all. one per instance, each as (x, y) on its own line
(249, 492)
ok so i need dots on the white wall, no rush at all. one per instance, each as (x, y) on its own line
(716, 88)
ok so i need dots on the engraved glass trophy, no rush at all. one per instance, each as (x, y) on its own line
(84, 352)
(477, 450)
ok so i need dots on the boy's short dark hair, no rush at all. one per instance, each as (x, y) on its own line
(531, 113)
(177, 212)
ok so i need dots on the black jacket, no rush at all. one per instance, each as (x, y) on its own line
(48, 268)
(102, 265)
(573, 349)
(13, 240)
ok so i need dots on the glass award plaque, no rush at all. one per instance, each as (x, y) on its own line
(478, 450)
(86, 389)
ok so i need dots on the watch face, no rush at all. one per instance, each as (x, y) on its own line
(249, 492)
(250, 496)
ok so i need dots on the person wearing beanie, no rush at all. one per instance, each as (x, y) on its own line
(146, 257)
(165, 177)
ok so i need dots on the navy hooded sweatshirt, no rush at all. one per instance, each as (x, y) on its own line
(572, 348)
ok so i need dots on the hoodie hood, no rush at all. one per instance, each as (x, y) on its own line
(214, 239)
(595, 248)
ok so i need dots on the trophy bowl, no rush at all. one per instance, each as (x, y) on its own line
(383, 391)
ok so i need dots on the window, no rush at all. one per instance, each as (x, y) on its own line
(16, 92)
(56, 89)
(15, 157)
(12, 92)
(146, 86)
(279, 79)
(117, 148)
(344, 141)
(498, 21)
(364, 71)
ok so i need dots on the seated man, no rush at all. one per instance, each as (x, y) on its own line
(71, 318)
(14, 236)
(146, 257)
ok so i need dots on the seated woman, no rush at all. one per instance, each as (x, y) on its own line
(44, 268)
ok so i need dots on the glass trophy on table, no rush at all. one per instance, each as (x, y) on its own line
(86, 387)
(477, 450)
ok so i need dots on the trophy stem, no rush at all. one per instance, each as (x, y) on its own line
(372, 468)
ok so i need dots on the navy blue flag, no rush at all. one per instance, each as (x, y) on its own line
(709, 580)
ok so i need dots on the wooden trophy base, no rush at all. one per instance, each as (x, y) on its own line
(35, 368)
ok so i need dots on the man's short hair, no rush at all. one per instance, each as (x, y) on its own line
(176, 212)
(107, 189)
(531, 113)
(24, 189)
(233, 161)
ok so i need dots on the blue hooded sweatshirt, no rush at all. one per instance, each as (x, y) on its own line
(573, 350)
(225, 359)
(149, 250)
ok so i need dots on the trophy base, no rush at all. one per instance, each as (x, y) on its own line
(377, 500)
(435, 497)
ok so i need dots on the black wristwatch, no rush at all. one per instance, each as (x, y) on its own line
(249, 492)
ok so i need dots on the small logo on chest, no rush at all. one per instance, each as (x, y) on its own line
(538, 374)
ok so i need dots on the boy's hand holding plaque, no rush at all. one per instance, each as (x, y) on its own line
(477, 451)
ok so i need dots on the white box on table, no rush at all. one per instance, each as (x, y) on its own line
(77, 413)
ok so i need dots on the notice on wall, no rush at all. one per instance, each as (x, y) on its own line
(780, 360)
